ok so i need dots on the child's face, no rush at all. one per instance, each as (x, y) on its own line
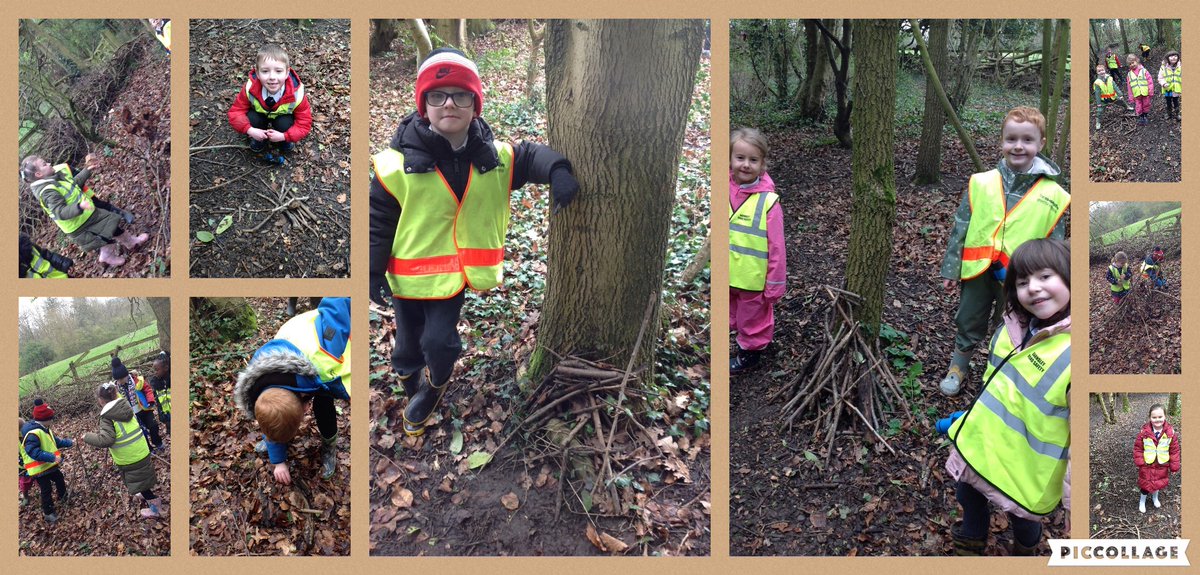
(1101, 71)
(272, 74)
(1172, 59)
(1043, 293)
(1157, 418)
(448, 119)
(1021, 142)
(42, 168)
(745, 162)
(1131, 61)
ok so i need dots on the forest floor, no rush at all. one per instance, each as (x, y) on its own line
(1113, 489)
(134, 176)
(309, 234)
(428, 496)
(1144, 334)
(784, 500)
(237, 507)
(102, 517)
(1122, 151)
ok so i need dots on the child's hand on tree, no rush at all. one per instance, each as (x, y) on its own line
(257, 134)
(275, 135)
(282, 475)
(563, 187)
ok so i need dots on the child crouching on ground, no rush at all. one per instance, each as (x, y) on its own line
(272, 109)
(119, 431)
(1119, 277)
(995, 459)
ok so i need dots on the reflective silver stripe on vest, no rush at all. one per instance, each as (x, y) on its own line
(994, 404)
(126, 438)
(748, 251)
(1039, 400)
(39, 266)
(756, 224)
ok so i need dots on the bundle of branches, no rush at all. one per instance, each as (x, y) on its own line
(94, 92)
(65, 399)
(1144, 302)
(847, 375)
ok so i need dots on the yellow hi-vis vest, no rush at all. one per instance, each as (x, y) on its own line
(164, 399)
(1174, 78)
(282, 109)
(1017, 435)
(1107, 91)
(1138, 84)
(1123, 283)
(995, 232)
(1112, 61)
(130, 445)
(442, 244)
(73, 194)
(301, 331)
(49, 444)
(164, 35)
(1148, 269)
(40, 267)
(1160, 452)
(748, 242)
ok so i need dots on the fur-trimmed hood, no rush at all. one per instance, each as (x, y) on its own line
(276, 356)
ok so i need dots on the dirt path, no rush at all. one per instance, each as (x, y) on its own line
(1122, 151)
(309, 237)
(1112, 488)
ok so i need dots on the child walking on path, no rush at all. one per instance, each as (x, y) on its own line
(41, 452)
(1113, 62)
(1141, 88)
(757, 251)
(1156, 453)
(1000, 210)
(439, 213)
(996, 459)
(119, 431)
(1119, 276)
(1170, 77)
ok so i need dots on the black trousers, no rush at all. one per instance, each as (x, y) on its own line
(326, 415)
(45, 480)
(262, 122)
(150, 426)
(977, 516)
(427, 336)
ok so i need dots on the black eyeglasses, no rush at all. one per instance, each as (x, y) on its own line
(461, 99)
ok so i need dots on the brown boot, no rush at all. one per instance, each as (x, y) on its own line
(1023, 551)
(966, 546)
(110, 255)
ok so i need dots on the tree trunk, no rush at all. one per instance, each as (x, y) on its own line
(240, 320)
(816, 66)
(161, 307)
(1104, 409)
(1062, 44)
(1124, 39)
(382, 35)
(963, 70)
(873, 167)
(1125, 407)
(781, 43)
(622, 129)
(1063, 141)
(1173, 405)
(1098, 47)
(933, 80)
(841, 71)
(699, 262)
(1047, 49)
(420, 37)
(460, 34)
(536, 34)
(1166, 34)
(929, 156)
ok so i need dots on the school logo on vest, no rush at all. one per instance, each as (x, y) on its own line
(1037, 362)
(443, 72)
(1046, 199)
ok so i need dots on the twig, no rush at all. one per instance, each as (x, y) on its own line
(218, 146)
(225, 183)
(621, 394)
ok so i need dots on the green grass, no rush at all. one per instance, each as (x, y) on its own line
(1162, 221)
(51, 372)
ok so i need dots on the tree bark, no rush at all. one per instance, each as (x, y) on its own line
(420, 37)
(536, 34)
(963, 71)
(1173, 405)
(933, 80)
(161, 307)
(1098, 47)
(1125, 407)
(1047, 48)
(1061, 155)
(929, 155)
(1166, 33)
(1124, 39)
(382, 35)
(841, 75)
(623, 130)
(873, 167)
(1060, 78)
(816, 66)
(1105, 409)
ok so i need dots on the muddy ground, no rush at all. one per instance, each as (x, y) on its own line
(1122, 151)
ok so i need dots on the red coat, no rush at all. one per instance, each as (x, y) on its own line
(302, 113)
(1155, 476)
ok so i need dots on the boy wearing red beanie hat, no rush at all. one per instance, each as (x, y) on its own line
(439, 212)
(41, 452)
(272, 109)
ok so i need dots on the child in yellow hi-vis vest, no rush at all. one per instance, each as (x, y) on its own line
(118, 430)
(1156, 453)
(1140, 88)
(1105, 92)
(996, 460)
(1018, 201)
(1170, 77)
(1119, 276)
(41, 454)
(430, 238)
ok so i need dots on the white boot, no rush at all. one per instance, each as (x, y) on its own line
(1156, 503)
(1142, 504)
(110, 255)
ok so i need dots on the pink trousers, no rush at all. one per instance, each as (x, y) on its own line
(752, 317)
(1141, 105)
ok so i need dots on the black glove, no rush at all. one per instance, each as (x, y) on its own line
(381, 292)
(60, 263)
(563, 187)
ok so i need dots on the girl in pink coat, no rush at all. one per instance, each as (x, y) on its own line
(1140, 86)
(757, 253)
(1156, 454)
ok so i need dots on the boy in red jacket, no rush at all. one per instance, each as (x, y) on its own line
(1156, 454)
(272, 109)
